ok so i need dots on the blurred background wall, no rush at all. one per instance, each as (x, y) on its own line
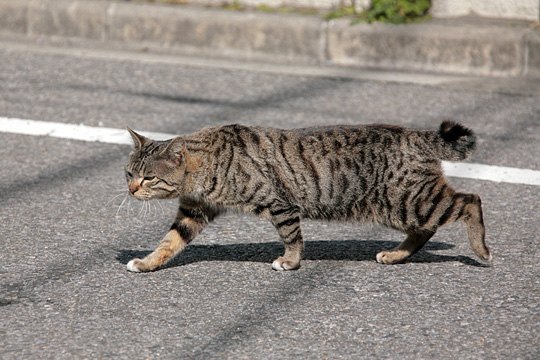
(504, 9)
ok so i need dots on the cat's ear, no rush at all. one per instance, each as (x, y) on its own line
(138, 140)
(175, 150)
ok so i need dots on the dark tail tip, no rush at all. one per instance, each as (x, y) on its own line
(451, 131)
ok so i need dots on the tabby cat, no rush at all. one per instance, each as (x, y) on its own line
(372, 173)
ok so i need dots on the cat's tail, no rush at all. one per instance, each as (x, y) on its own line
(454, 141)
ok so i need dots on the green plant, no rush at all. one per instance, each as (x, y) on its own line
(389, 11)
(396, 11)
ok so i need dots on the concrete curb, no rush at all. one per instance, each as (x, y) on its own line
(494, 48)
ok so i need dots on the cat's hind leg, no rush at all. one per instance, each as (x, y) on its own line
(414, 242)
(457, 206)
(468, 207)
(287, 223)
(188, 224)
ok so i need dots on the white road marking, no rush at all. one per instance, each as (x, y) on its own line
(492, 173)
(121, 136)
(73, 131)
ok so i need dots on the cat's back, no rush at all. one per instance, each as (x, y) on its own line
(296, 149)
(344, 135)
(340, 138)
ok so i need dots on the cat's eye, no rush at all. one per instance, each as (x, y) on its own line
(149, 178)
(129, 174)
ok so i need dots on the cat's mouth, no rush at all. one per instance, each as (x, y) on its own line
(145, 196)
(139, 195)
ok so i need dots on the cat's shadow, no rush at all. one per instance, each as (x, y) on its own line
(344, 250)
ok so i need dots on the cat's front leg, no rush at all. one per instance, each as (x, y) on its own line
(287, 223)
(188, 224)
(171, 245)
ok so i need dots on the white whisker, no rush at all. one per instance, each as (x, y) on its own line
(121, 204)
(161, 206)
(113, 198)
(129, 207)
(140, 210)
(151, 206)
(156, 210)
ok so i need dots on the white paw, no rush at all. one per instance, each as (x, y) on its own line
(281, 264)
(490, 257)
(379, 257)
(276, 265)
(132, 267)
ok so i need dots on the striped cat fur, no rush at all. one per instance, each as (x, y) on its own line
(381, 174)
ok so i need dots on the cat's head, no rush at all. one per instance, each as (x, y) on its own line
(155, 168)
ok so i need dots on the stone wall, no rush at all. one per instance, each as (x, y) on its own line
(505, 9)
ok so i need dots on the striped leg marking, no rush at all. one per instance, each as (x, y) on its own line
(189, 223)
(287, 223)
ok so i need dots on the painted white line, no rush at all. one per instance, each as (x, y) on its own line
(121, 136)
(492, 173)
(73, 131)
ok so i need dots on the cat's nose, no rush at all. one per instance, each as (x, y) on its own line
(134, 187)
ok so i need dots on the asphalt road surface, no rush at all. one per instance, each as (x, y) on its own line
(67, 233)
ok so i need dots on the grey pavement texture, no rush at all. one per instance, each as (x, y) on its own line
(465, 45)
(66, 237)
